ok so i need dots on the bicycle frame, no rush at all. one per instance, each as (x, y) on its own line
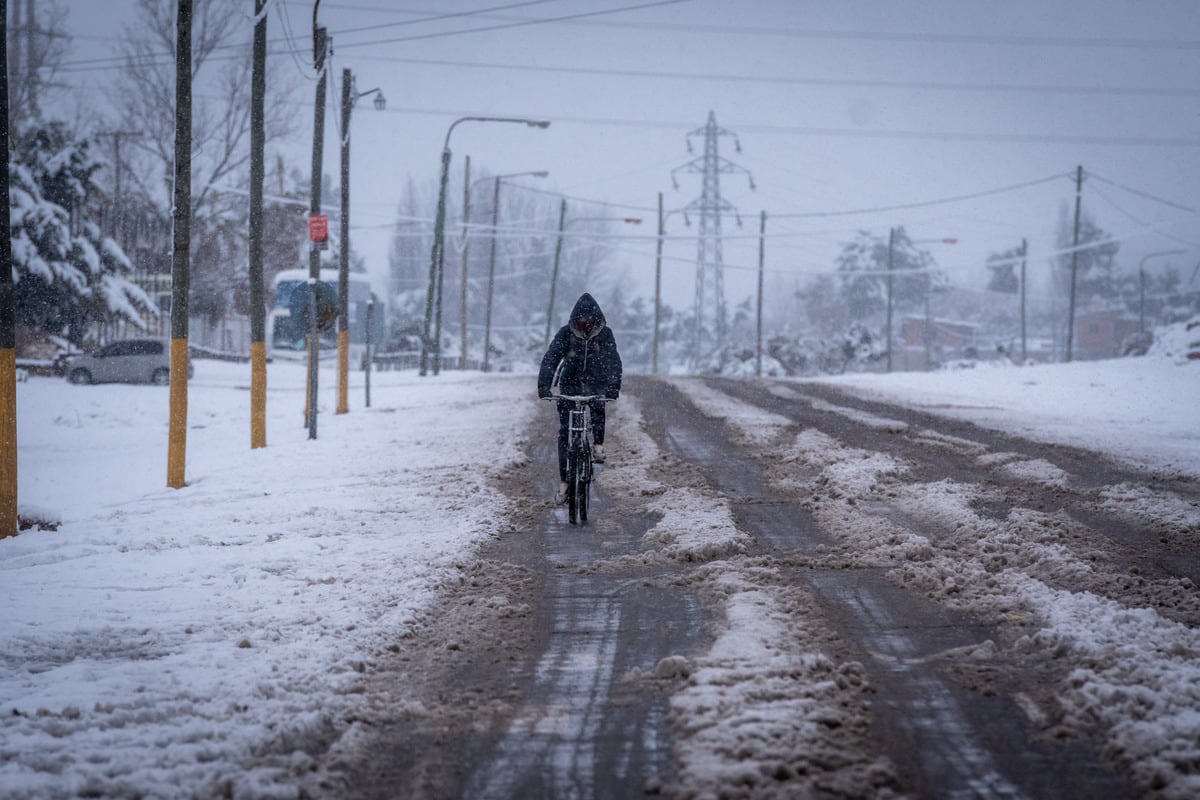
(579, 453)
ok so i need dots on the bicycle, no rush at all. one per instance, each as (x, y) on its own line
(579, 453)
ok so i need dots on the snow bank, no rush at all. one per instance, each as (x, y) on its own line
(1140, 410)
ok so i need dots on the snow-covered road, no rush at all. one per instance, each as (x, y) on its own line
(226, 637)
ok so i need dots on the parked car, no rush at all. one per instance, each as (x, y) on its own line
(126, 361)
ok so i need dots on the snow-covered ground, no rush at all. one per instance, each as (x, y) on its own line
(162, 642)
(209, 640)
(1145, 411)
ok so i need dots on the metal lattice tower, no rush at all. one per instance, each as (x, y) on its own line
(709, 326)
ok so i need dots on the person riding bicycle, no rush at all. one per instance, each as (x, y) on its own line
(583, 360)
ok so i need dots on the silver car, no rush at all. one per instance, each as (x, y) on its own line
(126, 361)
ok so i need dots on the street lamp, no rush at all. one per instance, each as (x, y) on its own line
(1142, 284)
(437, 257)
(562, 226)
(465, 247)
(349, 97)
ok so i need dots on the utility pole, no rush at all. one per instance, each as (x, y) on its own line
(562, 223)
(491, 283)
(1074, 263)
(320, 50)
(891, 250)
(343, 334)
(462, 330)
(657, 286)
(9, 523)
(118, 227)
(1024, 254)
(762, 243)
(31, 66)
(181, 244)
(258, 306)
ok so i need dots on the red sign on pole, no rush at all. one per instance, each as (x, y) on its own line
(318, 227)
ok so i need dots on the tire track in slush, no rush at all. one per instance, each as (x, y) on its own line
(947, 740)
(550, 747)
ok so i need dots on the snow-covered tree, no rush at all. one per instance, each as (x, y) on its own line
(1003, 269)
(1094, 274)
(144, 99)
(66, 273)
(866, 295)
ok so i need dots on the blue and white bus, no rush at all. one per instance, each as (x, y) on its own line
(286, 335)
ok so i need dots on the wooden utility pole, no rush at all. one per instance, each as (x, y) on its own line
(258, 307)
(320, 48)
(762, 243)
(657, 286)
(8, 345)
(1074, 263)
(181, 243)
(1024, 300)
(891, 249)
(562, 223)
(343, 332)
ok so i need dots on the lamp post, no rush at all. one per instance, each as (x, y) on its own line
(343, 357)
(466, 241)
(1142, 284)
(437, 257)
(562, 226)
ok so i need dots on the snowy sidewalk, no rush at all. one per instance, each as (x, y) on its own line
(208, 637)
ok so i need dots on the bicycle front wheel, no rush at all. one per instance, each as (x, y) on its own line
(573, 481)
(585, 490)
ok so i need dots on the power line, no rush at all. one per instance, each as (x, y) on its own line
(873, 36)
(923, 203)
(1146, 195)
(435, 17)
(794, 130)
(521, 23)
(990, 87)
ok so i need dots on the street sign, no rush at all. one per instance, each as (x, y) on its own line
(318, 227)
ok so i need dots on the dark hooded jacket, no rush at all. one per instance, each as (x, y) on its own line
(584, 353)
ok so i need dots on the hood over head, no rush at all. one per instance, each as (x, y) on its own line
(587, 320)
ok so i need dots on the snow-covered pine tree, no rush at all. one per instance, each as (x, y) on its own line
(67, 275)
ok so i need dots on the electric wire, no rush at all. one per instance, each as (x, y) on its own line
(842, 83)
(1140, 193)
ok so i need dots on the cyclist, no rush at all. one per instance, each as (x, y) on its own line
(583, 360)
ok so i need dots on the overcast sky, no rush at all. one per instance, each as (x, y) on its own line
(838, 106)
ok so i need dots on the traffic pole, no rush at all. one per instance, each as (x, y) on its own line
(9, 522)
(343, 325)
(181, 244)
(258, 308)
(320, 47)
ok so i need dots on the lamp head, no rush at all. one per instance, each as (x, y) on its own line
(538, 123)
(380, 101)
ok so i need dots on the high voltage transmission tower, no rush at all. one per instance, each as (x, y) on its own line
(709, 327)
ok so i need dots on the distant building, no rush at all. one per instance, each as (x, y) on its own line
(929, 342)
(1100, 334)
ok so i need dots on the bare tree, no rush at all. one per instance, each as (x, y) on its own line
(38, 44)
(145, 101)
(221, 122)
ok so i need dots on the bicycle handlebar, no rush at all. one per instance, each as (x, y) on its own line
(581, 398)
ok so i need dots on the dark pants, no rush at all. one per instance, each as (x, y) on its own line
(564, 433)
